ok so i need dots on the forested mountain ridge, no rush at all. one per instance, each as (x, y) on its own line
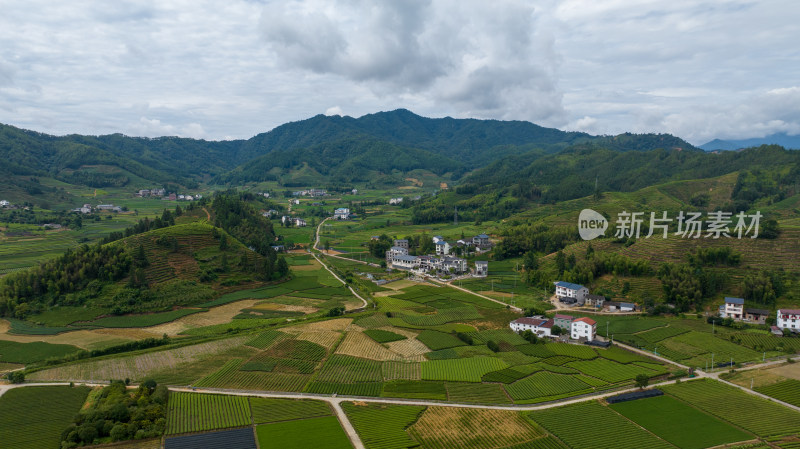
(339, 148)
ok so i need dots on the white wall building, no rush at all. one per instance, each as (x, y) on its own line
(442, 248)
(733, 308)
(481, 268)
(789, 319)
(583, 328)
(570, 290)
(538, 325)
(341, 213)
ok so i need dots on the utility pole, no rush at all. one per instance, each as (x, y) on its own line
(455, 215)
(712, 361)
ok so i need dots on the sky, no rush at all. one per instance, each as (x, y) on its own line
(223, 70)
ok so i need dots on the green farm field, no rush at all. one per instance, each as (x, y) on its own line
(300, 434)
(679, 423)
(35, 417)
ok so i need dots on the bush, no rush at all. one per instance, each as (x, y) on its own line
(465, 338)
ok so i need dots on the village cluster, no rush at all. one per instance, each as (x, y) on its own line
(162, 193)
(443, 263)
(786, 319)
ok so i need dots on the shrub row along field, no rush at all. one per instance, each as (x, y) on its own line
(757, 415)
(787, 391)
(680, 424)
(602, 428)
(34, 417)
(192, 412)
(383, 426)
(322, 432)
(449, 427)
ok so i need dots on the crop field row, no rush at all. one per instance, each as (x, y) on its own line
(787, 391)
(763, 418)
(439, 340)
(214, 378)
(447, 427)
(136, 367)
(415, 390)
(545, 384)
(267, 410)
(611, 431)
(680, 424)
(461, 370)
(346, 389)
(191, 412)
(343, 368)
(34, 417)
(442, 316)
(265, 339)
(301, 434)
(144, 320)
(477, 393)
(661, 333)
(394, 370)
(383, 336)
(383, 426)
(612, 372)
(24, 353)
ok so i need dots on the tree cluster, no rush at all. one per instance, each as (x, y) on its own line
(120, 414)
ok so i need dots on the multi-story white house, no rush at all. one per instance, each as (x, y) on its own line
(299, 222)
(733, 308)
(538, 325)
(442, 248)
(402, 261)
(583, 328)
(397, 251)
(569, 291)
(402, 243)
(789, 319)
(341, 213)
(454, 264)
(437, 239)
(481, 268)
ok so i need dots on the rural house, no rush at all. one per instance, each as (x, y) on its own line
(442, 248)
(570, 293)
(789, 319)
(481, 268)
(585, 328)
(733, 308)
(758, 316)
(538, 325)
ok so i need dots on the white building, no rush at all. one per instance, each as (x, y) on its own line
(442, 248)
(451, 264)
(437, 239)
(481, 268)
(402, 243)
(4, 203)
(733, 308)
(341, 213)
(402, 261)
(583, 328)
(397, 251)
(299, 222)
(395, 200)
(538, 325)
(789, 319)
(568, 290)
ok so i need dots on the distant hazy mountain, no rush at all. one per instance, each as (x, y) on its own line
(782, 139)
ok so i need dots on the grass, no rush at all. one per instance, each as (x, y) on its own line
(680, 424)
(763, 418)
(34, 417)
(192, 412)
(383, 426)
(301, 434)
(276, 410)
(604, 428)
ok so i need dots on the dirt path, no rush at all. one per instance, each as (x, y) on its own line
(208, 215)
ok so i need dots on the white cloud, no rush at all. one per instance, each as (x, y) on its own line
(334, 110)
(698, 69)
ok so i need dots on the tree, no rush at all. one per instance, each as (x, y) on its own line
(642, 381)
(561, 262)
(16, 377)
(556, 330)
(491, 344)
(282, 267)
(223, 242)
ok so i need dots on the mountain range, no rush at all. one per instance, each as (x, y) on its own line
(782, 139)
